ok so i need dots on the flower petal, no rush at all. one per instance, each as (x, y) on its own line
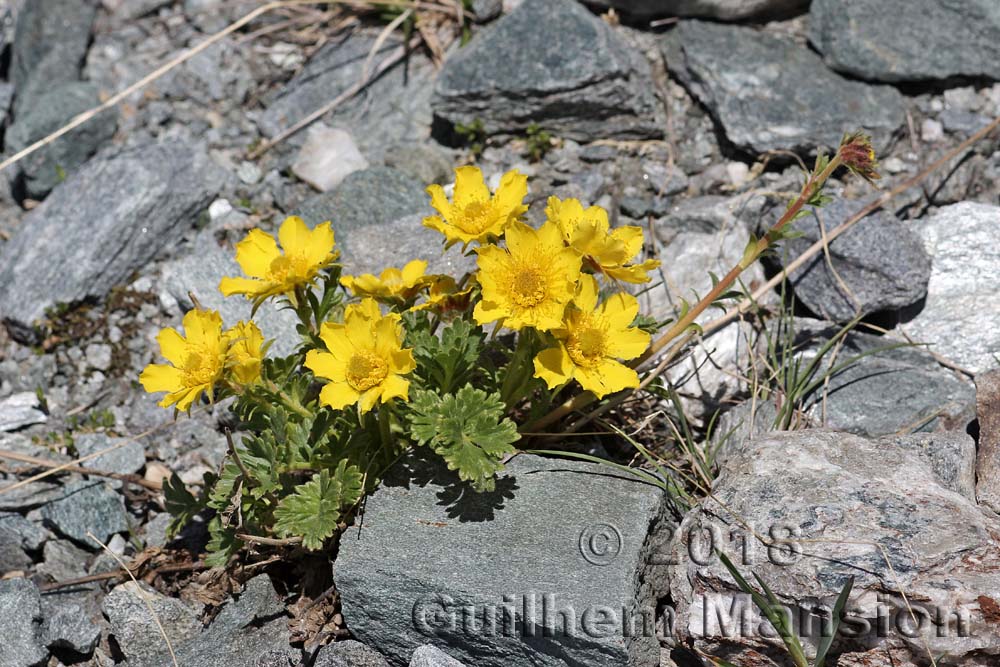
(338, 395)
(255, 253)
(295, 236)
(469, 187)
(325, 365)
(173, 347)
(554, 366)
(160, 377)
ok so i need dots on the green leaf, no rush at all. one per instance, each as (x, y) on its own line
(222, 544)
(448, 361)
(180, 504)
(838, 609)
(468, 429)
(314, 508)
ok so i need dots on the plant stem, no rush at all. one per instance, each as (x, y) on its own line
(813, 185)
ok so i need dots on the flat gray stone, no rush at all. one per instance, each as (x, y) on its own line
(19, 615)
(394, 108)
(849, 503)
(370, 196)
(768, 93)
(540, 592)
(879, 264)
(41, 171)
(349, 653)
(87, 507)
(62, 560)
(50, 43)
(889, 391)
(252, 629)
(135, 630)
(102, 224)
(431, 656)
(20, 410)
(68, 627)
(726, 10)
(129, 458)
(18, 536)
(960, 318)
(581, 81)
(908, 40)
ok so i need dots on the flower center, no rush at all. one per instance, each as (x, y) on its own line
(528, 287)
(586, 347)
(476, 216)
(365, 370)
(289, 268)
(201, 368)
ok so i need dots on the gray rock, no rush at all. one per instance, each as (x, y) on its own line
(365, 250)
(251, 630)
(18, 536)
(426, 162)
(879, 264)
(28, 496)
(394, 108)
(68, 627)
(582, 81)
(50, 43)
(199, 273)
(988, 455)
(370, 197)
(20, 410)
(62, 560)
(896, 390)
(41, 171)
(726, 10)
(486, 10)
(101, 225)
(432, 656)
(129, 458)
(908, 40)
(134, 9)
(493, 580)
(19, 615)
(888, 512)
(87, 507)
(136, 631)
(768, 93)
(960, 319)
(349, 653)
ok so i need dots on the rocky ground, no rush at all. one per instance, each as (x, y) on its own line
(688, 126)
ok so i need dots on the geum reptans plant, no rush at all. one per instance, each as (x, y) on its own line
(450, 364)
(401, 358)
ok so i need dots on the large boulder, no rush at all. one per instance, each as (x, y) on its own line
(896, 513)
(908, 40)
(726, 10)
(101, 225)
(552, 64)
(768, 93)
(493, 580)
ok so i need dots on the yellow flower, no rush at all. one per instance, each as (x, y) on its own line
(392, 283)
(444, 295)
(366, 362)
(198, 360)
(606, 250)
(591, 340)
(529, 283)
(271, 271)
(246, 352)
(474, 215)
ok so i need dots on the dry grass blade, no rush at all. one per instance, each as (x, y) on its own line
(35, 461)
(65, 466)
(142, 594)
